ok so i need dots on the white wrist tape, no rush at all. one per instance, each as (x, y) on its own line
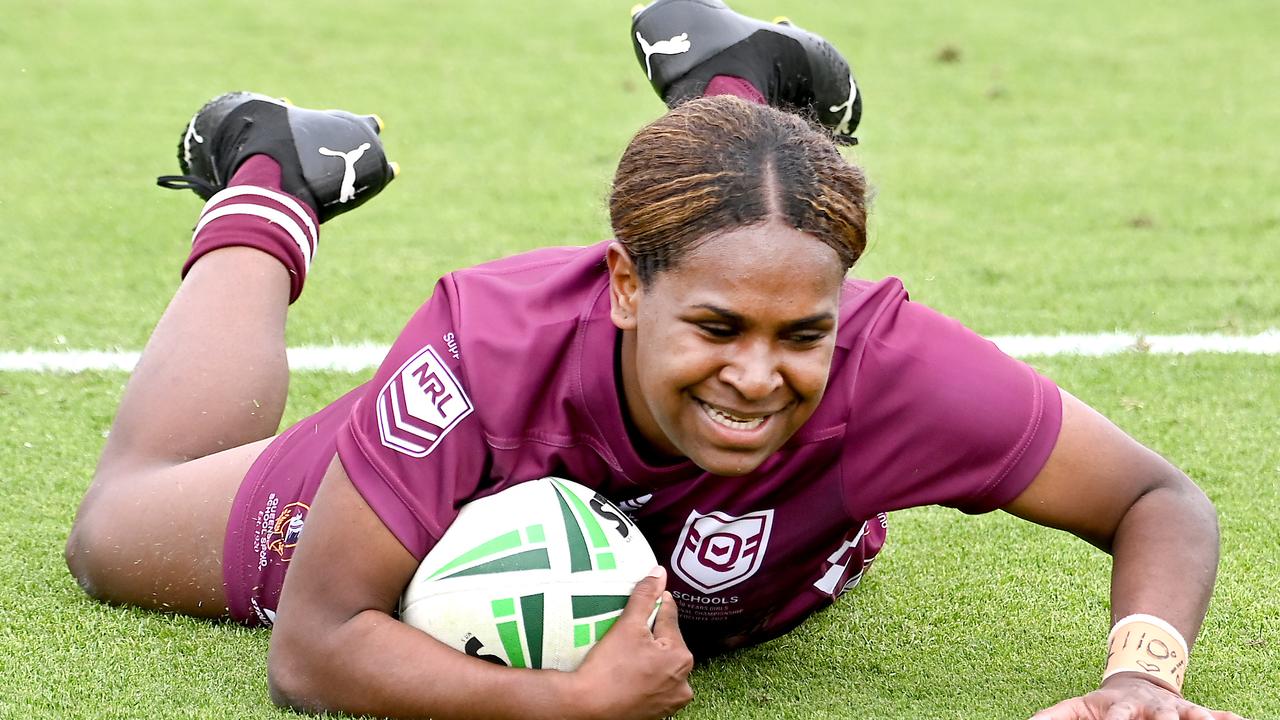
(1149, 645)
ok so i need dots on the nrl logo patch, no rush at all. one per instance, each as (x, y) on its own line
(420, 404)
(717, 551)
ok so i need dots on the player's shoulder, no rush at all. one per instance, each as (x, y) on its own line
(528, 291)
(907, 354)
(863, 305)
(511, 296)
(887, 339)
(525, 312)
(522, 292)
(880, 314)
(539, 268)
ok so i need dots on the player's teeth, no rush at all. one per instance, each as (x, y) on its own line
(732, 421)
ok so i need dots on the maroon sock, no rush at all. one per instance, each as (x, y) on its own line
(736, 86)
(252, 211)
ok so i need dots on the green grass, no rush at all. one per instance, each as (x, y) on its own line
(961, 616)
(1081, 167)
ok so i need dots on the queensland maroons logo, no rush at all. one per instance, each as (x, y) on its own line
(717, 550)
(420, 404)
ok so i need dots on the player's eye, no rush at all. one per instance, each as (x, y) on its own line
(718, 330)
(808, 337)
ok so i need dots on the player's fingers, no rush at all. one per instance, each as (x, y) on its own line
(667, 624)
(376, 121)
(644, 598)
(1224, 715)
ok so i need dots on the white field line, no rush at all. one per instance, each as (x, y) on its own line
(364, 356)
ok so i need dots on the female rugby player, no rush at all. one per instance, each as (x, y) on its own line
(711, 368)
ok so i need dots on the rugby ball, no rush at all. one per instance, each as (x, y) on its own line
(530, 577)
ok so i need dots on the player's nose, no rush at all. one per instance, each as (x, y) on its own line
(753, 372)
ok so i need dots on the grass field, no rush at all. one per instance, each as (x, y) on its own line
(1040, 168)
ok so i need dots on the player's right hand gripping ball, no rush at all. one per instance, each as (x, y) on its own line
(331, 159)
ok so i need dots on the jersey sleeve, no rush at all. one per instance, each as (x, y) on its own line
(413, 445)
(940, 416)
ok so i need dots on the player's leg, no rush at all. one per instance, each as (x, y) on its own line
(691, 48)
(211, 381)
(210, 388)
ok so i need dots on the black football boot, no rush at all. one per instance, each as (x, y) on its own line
(683, 44)
(331, 159)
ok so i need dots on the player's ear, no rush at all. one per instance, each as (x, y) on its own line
(624, 287)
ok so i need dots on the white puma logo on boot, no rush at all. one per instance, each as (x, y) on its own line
(348, 189)
(675, 46)
(190, 135)
(843, 127)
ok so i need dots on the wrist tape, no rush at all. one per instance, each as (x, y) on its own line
(1146, 644)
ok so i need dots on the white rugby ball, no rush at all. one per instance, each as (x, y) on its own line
(530, 577)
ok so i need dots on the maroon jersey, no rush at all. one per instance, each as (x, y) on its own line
(507, 374)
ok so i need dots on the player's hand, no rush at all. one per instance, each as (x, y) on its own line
(1124, 697)
(634, 672)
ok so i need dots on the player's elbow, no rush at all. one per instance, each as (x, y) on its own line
(289, 688)
(1175, 501)
(286, 690)
(281, 688)
(1203, 509)
(1194, 505)
(294, 675)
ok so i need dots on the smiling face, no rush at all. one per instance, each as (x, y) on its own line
(726, 354)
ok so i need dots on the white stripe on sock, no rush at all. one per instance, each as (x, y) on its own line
(270, 214)
(287, 200)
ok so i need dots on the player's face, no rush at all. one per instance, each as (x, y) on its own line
(728, 354)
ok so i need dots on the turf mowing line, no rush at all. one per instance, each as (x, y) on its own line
(1097, 345)
(363, 356)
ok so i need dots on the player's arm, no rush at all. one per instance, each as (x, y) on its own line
(1161, 530)
(337, 647)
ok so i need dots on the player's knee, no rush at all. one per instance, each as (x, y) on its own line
(79, 557)
(86, 552)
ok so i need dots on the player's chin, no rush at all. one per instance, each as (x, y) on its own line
(730, 467)
(731, 461)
